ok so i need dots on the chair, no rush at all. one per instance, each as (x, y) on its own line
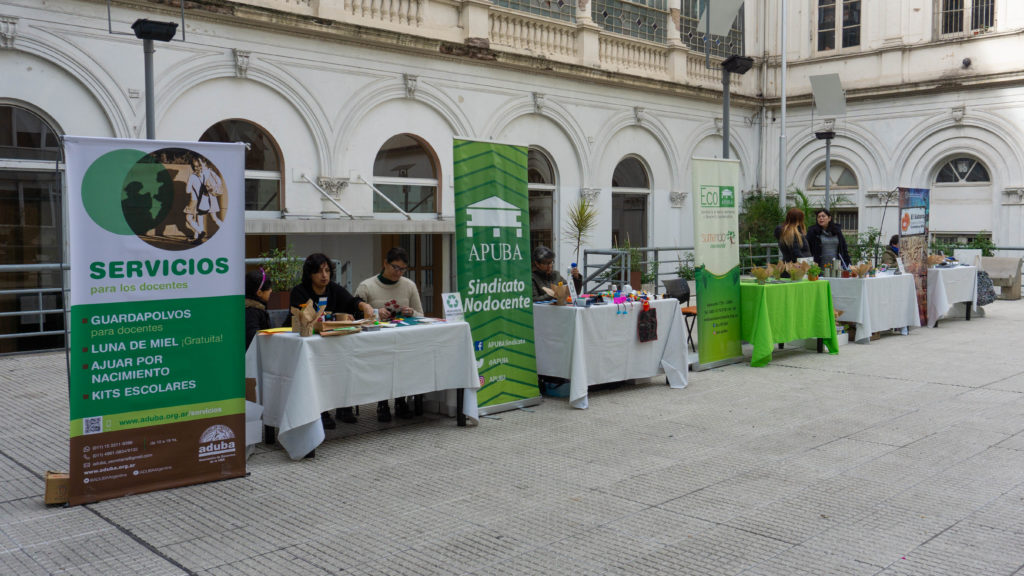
(679, 289)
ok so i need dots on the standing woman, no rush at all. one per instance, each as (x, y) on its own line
(792, 236)
(827, 241)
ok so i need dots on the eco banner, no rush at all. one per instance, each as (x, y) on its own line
(492, 231)
(157, 376)
(914, 242)
(717, 260)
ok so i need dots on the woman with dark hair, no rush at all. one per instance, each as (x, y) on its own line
(316, 284)
(257, 291)
(792, 236)
(827, 241)
(544, 274)
(891, 252)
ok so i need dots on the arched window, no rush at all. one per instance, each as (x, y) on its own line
(406, 172)
(540, 175)
(962, 170)
(631, 187)
(842, 182)
(263, 165)
(841, 177)
(30, 228)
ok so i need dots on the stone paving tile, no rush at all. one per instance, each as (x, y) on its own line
(660, 525)
(20, 563)
(799, 561)
(719, 551)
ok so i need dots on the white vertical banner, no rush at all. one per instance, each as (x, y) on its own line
(157, 379)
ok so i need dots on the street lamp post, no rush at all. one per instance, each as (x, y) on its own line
(731, 65)
(827, 136)
(148, 31)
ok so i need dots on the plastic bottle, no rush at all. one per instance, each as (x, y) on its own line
(572, 284)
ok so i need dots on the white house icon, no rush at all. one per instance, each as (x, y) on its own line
(494, 212)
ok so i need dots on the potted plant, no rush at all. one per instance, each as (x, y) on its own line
(284, 271)
(649, 279)
(813, 272)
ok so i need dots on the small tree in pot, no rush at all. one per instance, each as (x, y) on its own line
(284, 270)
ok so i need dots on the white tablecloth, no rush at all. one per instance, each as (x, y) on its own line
(301, 377)
(876, 304)
(595, 345)
(947, 286)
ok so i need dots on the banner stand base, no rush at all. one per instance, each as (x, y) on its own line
(494, 409)
(698, 367)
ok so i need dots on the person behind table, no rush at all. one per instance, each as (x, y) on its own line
(317, 271)
(545, 276)
(891, 252)
(827, 241)
(257, 292)
(391, 294)
(792, 236)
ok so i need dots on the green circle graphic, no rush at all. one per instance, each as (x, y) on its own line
(103, 188)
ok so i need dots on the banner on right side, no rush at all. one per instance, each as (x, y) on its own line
(717, 259)
(914, 242)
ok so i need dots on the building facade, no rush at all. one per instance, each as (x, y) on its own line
(350, 108)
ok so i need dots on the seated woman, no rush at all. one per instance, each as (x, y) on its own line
(544, 275)
(393, 295)
(891, 252)
(257, 292)
(792, 237)
(827, 241)
(316, 284)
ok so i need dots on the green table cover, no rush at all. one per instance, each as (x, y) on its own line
(773, 313)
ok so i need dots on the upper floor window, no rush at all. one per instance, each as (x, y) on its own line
(262, 162)
(406, 172)
(693, 36)
(643, 19)
(830, 32)
(955, 15)
(564, 10)
(962, 170)
(839, 177)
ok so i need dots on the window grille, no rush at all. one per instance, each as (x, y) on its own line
(953, 16)
(693, 37)
(643, 19)
(564, 10)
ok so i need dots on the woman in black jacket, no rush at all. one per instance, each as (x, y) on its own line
(827, 241)
(792, 236)
(257, 291)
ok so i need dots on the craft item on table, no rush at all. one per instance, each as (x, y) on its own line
(776, 270)
(797, 270)
(620, 304)
(860, 270)
(936, 259)
(304, 318)
(340, 331)
(647, 323)
(760, 273)
(560, 293)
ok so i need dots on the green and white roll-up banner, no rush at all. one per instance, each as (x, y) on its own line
(157, 375)
(717, 260)
(492, 231)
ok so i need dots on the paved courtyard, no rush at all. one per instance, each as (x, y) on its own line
(904, 456)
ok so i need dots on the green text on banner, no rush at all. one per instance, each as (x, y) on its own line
(492, 231)
(157, 381)
(914, 218)
(717, 259)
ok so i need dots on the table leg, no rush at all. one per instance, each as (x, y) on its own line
(969, 304)
(460, 402)
(269, 435)
(312, 454)
(821, 345)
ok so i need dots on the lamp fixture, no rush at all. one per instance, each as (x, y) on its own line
(149, 30)
(737, 64)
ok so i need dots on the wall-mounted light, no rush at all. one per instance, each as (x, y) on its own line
(149, 30)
